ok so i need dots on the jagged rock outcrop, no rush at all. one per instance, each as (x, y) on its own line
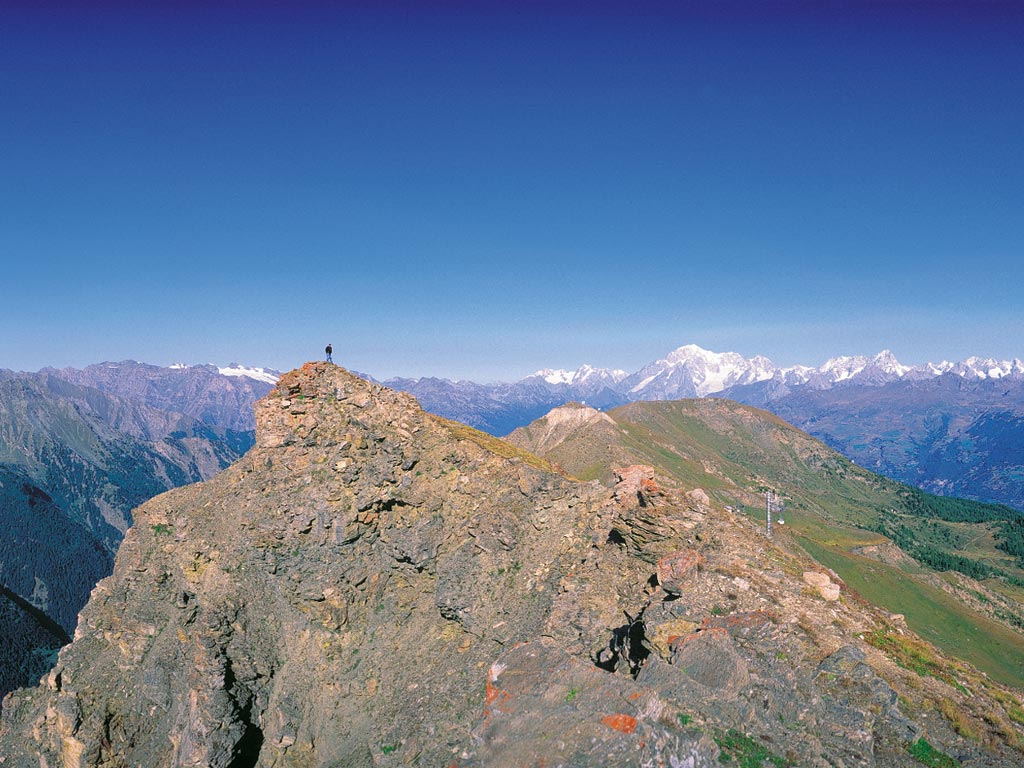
(372, 585)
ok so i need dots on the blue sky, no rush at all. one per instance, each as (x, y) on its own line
(473, 190)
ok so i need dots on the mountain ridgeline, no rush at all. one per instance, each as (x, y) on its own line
(217, 396)
(374, 585)
(951, 429)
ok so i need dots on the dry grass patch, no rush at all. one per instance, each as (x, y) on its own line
(495, 445)
(958, 719)
(915, 655)
(1010, 703)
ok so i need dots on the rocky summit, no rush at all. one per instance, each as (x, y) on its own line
(373, 585)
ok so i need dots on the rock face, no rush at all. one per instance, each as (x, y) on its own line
(562, 421)
(372, 585)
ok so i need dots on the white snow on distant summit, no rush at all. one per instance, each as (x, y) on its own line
(583, 373)
(987, 368)
(259, 374)
(795, 374)
(644, 382)
(692, 370)
(843, 367)
(937, 369)
(555, 375)
(886, 361)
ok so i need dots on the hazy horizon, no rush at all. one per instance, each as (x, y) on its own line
(256, 366)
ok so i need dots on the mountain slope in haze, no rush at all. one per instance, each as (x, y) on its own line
(736, 453)
(500, 408)
(30, 642)
(948, 435)
(37, 545)
(373, 585)
(98, 455)
(74, 462)
(46, 558)
(984, 459)
(218, 396)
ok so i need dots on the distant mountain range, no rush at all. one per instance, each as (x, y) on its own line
(951, 428)
(218, 396)
(688, 371)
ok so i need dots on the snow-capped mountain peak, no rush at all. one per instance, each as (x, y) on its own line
(553, 375)
(937, 369)
(692, 354)
(795, 374)
(687, 371)
(586, 377)
(693, 371)
(843, 367)
(988, 368)
(886, 361)
(259, 374)
(585, 374)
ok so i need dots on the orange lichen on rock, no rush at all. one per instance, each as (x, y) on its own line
(493, 695)
(752, 622)
(620, 723)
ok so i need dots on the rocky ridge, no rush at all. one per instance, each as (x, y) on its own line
(373, 585)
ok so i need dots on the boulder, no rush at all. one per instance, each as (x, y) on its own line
(823, 583)
(677, 571)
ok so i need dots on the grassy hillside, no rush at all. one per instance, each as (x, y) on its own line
(964, 589)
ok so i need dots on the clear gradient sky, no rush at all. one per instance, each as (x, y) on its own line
(479, 189)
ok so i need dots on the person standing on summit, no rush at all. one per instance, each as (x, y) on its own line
(328, 351)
